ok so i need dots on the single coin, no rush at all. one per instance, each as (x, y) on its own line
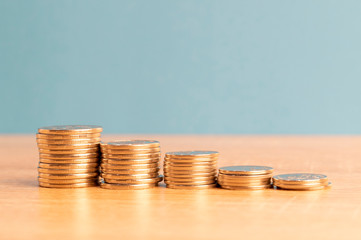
(131, 156)
(187, 174)
(73, 185)
(191, 168)
(176, 186)
(69, 137)
(68, 166)
(127, 144)
(246, 170)
(131, 161)
(68, 181)
(246, 188)
(126, 167)
(128, 176)
(130, 171)
(133, 181)
(70, 151)
(190, 154)
(68, 176)
(187, 178)
(190, 183)
(67, 171)
(69, 156)
(244, 177)
(304, 188)
(299, 178)
(70, 129)
(191, 160)
(75, 147)
(68, 141)
(71, 161)
(127, 186)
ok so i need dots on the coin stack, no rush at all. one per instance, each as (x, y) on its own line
(245, 177)
(68, 156)
(130, 164)
(190, 169)
(301, 181)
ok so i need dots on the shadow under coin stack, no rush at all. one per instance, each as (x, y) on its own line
(190, 169)
(301, 181)
(130, 164)
(245, 177)
(68, 156)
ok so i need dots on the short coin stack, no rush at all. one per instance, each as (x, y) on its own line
(245, 177)
(190, 169)
(130, 164)
(301, 181)
(68, 156)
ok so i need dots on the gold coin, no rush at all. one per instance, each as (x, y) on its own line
(68, 141)
(191, 154)
(130, 171)
(67, 181)
(191, 168)
(70, 129)
(71, 161)
(69, 156)
(70, 151)
(246, 188)
(190, 183)
(302, 186)
(244, 177)
(67, 137)
(190, 164)
(127, 186)
(246, 170)
(128, 176)
(124, 152)
(75, 147)
(131, 156)
(190, 160)
(133, 181)
(190, 172)
(132, 166)
(67, 171)
(131, 161)
(187, 178)
(73, 185)
(128, 144)
(176, 186)
(68, 176)
(68, 166)
(185, 174)
(300, 178)
(248, 183)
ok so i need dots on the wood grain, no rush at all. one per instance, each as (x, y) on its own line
(30, 212)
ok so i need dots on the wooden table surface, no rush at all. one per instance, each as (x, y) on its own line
(30, 212)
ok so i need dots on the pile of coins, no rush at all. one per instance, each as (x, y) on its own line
(301, 181)
(190, 169)
(68, 156)
(130, 164)
(245, 177)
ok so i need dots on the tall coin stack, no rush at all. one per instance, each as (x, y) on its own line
(68, 156)
(301, 181)
(190, 169)
(130, 164)
(245, 177)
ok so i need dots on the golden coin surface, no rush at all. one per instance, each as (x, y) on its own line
(71, 161)
(187, 174)
(68, 146)
(190, 172)
(190, 168)
(186, 178)
(68, 176)
(130, 152)
(70, 151)
(244, 177)
(89, 136)
(131, 156)
(128, 176)
(191, 154)
(299, 178)
(68, 181)
(304, 188)
(130, 171)
(73, 185)
(70, 129)
(68, 141)
(67, 171)
(130, 161)
(239, 183)
(246, 170)
(127, 186)
(69, 156)
(132, 166)
(191, 160)
(246, 188)
(176, 186)
(133, 181)
(190, 164)
(68, 166)
(127, 144)
(190, 183)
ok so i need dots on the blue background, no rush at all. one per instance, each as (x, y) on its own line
(263, 67)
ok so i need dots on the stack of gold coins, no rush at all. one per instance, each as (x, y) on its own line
(130, 164)
(68, 156)
(245, 177)
(190, 169)
(301, 181)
